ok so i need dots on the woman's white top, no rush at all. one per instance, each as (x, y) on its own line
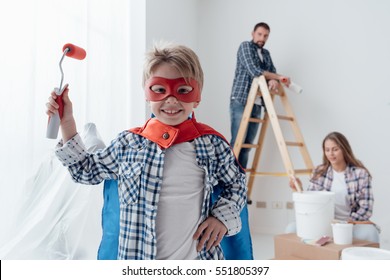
(339, 187)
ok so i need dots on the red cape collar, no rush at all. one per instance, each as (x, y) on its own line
(165, 135)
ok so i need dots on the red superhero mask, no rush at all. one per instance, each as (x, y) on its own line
(185, 90)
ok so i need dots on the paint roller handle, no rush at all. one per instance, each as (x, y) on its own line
(295, 87)
(54, 120)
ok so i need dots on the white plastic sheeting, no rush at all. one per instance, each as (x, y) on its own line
(58, 218)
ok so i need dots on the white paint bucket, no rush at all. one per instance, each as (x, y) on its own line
(342, 233)
(364, 253)
(314, 212)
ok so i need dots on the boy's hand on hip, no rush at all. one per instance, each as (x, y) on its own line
(211, 231)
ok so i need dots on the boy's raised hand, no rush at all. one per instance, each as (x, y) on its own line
(211, 231)
(53, 105)
(68, 124)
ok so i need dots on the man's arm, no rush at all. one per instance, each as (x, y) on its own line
(274, 76)
(246, 57)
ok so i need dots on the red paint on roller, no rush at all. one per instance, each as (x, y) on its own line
(75, 51)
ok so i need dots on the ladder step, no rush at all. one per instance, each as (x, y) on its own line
(297, 144)
(251, 146)
(254, 120)
(285, 118)
(281, 94)
(303, 171)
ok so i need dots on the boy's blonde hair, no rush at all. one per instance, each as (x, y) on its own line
(180, 57)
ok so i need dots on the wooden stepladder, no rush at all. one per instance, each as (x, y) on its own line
(260, 88)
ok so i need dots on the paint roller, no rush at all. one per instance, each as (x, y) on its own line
(293, 86)
(72, 51)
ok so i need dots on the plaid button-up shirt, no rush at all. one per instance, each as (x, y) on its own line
(360, 195)
(137, 163)
(249, 66)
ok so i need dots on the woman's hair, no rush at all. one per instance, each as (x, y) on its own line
(342, 142)
(180, 57)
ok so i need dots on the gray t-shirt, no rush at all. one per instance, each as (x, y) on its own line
(180, 203)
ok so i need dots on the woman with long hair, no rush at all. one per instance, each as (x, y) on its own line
(342, 173)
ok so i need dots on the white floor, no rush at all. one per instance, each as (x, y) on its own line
(263, 246)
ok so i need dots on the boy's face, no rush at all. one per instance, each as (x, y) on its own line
(170, 110)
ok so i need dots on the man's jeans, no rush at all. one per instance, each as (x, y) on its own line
(236, 111)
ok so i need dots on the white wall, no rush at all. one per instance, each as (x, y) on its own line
(172, 21)
(337, 51)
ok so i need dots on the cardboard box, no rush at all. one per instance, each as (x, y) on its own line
(289, 246)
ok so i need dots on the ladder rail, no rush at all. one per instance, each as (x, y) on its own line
(297, 132)
(259, 87)
(256, 157)
(253, 92)
(276, 126)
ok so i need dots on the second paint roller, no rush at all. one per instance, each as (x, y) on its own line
(294, 87)
(72, 51)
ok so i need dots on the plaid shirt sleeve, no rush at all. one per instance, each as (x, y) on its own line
(268, 61)
(323, 182)
(360, 194)
(90, 168)
(228, 207)
(249, 58)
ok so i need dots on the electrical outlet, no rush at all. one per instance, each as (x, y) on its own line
(261, 204)
(289, 205)
(277, 205)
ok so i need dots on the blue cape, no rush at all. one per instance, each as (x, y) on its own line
(236, 247)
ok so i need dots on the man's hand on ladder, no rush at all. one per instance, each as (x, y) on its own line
(273, 85)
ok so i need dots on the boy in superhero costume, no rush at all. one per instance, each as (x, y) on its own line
(167, 170)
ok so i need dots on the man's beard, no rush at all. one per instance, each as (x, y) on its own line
(260, 44)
